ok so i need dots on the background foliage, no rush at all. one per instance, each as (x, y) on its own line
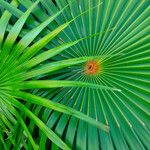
(48, 100)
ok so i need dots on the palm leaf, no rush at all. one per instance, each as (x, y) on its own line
(79, 71)
(10, 79)
(126, 112)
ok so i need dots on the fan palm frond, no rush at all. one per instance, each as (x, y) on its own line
(88, 65)
(22, 60)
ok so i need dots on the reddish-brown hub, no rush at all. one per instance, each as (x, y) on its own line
(92, 67)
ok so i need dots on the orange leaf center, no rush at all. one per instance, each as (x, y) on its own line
(92, 67)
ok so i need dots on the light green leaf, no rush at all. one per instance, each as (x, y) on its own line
(41, 43)
(17, 28)
(49, 133)
(58, 83)
(54, 66)
(58, 107)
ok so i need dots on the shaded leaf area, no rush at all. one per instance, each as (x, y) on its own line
(113, 33)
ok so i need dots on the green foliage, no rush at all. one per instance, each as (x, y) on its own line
(75, 74)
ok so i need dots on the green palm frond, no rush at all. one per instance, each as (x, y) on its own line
(19, 62)
(75, 74)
